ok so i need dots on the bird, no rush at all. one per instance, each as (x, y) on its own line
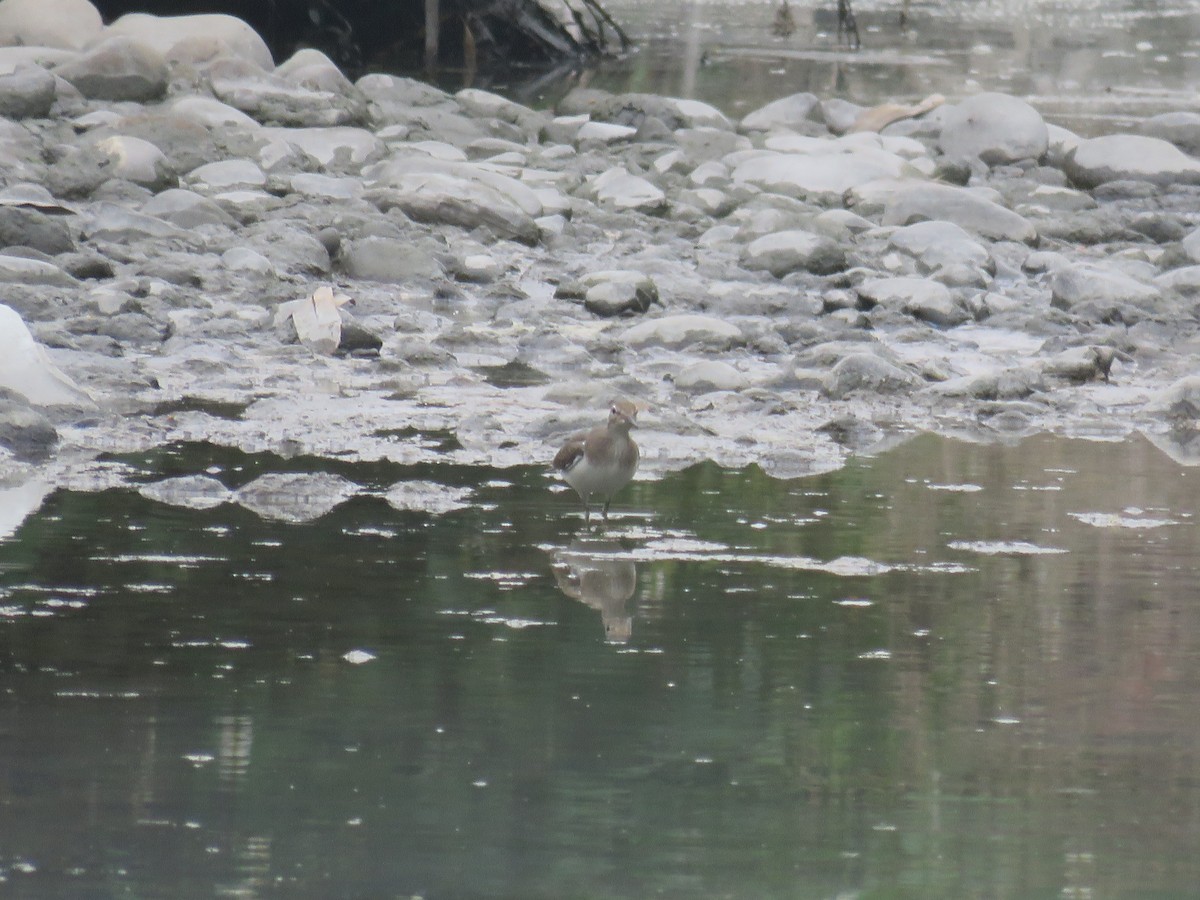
(785, 22)
(599, 462)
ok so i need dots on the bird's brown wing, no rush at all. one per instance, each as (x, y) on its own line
(571, 452)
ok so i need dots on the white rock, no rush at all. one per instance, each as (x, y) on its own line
(964, 207)
(226, 174)
(786, 112)
(604, 132)
(243, 259)
(18, 270)
(164, 32)
(70, 24)
(618, 189)
(682, 330)
(823, 177)
(327, 145)
(212, 113)
(27, 370)
(1130, 157)
(711, 375)
(996, 128)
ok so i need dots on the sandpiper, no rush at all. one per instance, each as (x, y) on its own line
(600, 462)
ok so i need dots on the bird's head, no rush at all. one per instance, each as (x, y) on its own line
(622, 414)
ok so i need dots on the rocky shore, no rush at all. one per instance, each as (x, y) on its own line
(812, 281)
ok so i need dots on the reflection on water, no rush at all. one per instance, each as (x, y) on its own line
(951, 670)
(1094, 66)
(594, 572)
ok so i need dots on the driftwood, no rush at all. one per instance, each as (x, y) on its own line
(363, 34)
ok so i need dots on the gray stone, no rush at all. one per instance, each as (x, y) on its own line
(683, 330)
(785, 113)
(24, 431)
(822, 177)
(138, 161)
(226, 174)
(382, 259)
(1181, 128)
(18, 270)
(1184, 281)
(27, 93)
(1191, 245)
(961, 206)
(929, 301)
(937, 245)
(111, 222)
(1130, 157)
(28, 227)
(1079, 365)
(118, 68)
(445, 198)
(186, 209)
(710, 375)
(70, 24)
(273, 100)
(1080, 283)
(840, 115)
(195, 37)
(1179, 401)
(613, 293)
(996, 128)
(617, 189)
(794, 250)
(867, 372)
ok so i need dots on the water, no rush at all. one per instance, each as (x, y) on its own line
(949, 671)
(1095, 66)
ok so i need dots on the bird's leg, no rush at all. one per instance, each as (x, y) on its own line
(587, 512)
(606, 502)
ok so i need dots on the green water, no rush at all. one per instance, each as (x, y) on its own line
(949, 671)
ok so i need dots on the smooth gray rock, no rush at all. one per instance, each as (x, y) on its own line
(17, 270)
(867, 372)
(710, 375)
(138, 161)
(683, 330)
(24, 431)
(937, 245)
(794, 250)
(117, 68)
(70, 24)
(272, 100)
(1181, 128)
(820, 177)
(382, 259)
(186, 209)
(1179, 401)
(973, 213)
(27, 93)
(1130, 157)
(195, 38)
(29, 227)
(617, 189)
(785, 113)
(996, 128)
(1080, 283)
(1190, 245)
(1079, 365)
(929, 301)
(612, 292)
(634, 108)
(444, 198)
(1184, 281)
(112, 222)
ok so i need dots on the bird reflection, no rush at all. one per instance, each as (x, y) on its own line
(594, 572)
